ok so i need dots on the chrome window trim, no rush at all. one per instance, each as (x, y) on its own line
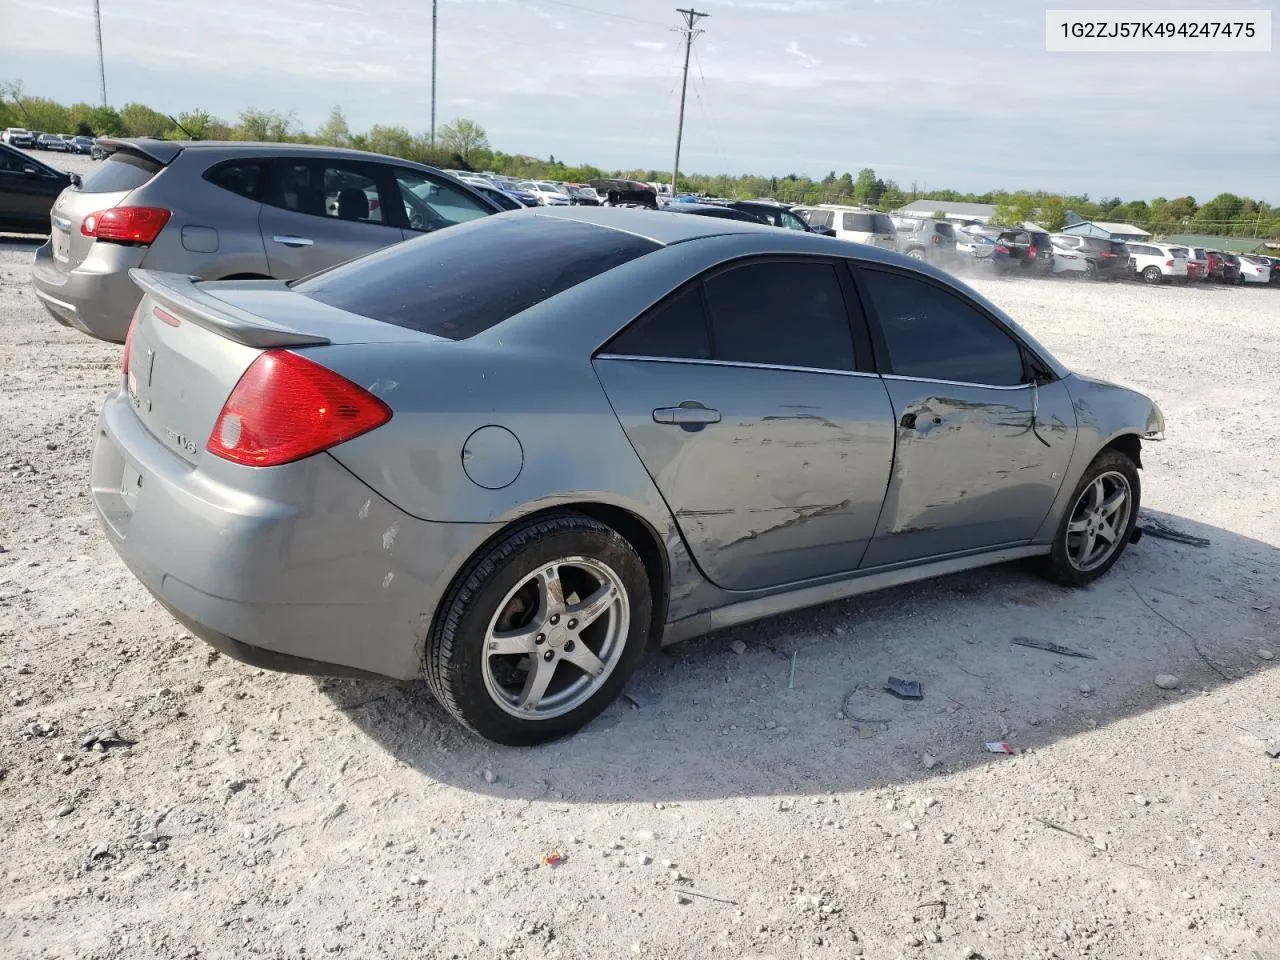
(956, 383)
(736, 363)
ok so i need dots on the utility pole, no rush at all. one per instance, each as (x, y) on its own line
(433, 72)
(102, 70)
(691, 17)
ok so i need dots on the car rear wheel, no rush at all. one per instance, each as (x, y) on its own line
(916, 254)
(1152, 275)
(1099, 524)
(1091, 270)
(541, 632)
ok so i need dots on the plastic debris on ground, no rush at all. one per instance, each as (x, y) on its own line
(904, 689)
(999, 746)
(553, 859)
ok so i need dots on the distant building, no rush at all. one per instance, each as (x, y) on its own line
(1107, 231)
(950, 209)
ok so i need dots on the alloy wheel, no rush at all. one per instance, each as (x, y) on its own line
(556, 638)
(1099, 521)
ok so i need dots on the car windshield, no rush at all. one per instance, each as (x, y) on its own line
(553, 187)
(481, 274)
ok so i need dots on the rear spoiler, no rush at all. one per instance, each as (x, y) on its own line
(161, 151)
(183, 294)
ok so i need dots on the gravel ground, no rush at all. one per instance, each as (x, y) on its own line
(730, 812)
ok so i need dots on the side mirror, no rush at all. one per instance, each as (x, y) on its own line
(76, 180)
(30, 171)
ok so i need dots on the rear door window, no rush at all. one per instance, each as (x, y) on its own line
(674, 329)
(932, 334)
(820, 218)
(460, 282)
(859, 223)
(882, 223)
(243, 179)
(327, 188)
(784, 313)
(122, 171)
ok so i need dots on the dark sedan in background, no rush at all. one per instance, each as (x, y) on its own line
(28, 189)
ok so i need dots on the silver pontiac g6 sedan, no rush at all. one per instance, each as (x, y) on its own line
(510, 456)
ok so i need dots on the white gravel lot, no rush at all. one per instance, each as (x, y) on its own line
(267, 815)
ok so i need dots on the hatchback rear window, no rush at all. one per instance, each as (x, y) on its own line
(945, 229)
(121, 171)
(881, 223)
(861, 223)
(462, 281)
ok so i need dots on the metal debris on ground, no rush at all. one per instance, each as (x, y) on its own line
(1048, 646)
(904, 689)
(851, 712)
(1162, 529)
(1054, 825)
(791, 673)
(105, 739)
(639, 698)
(1000, 747)
(554, 858)
(690, 892)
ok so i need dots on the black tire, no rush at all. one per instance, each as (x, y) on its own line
(1057, 566)
(916, 253)
(1153, 275)
(1091, 270)
(453, 654)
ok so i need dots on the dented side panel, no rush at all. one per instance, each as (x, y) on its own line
(786, 486)
(971, 470)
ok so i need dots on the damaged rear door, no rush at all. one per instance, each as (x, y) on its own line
(983, 438)
(751, 399)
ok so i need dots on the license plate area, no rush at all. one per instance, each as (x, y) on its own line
(61, 243)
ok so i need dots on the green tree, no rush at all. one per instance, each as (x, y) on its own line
(463, 137)
(1053, 213)
(264, 125)
(393, 141)
(867, 188)
(47, 116)
(139, 120)
(195, 125)
(335, 131)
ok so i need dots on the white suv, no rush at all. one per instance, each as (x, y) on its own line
(853, 223)
(1156, 262)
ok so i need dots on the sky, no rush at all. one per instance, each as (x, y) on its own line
(941, 93)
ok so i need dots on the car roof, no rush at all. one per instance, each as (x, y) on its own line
(660, 226)
(166, 150)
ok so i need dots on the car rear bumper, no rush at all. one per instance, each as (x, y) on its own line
(97, 297)
(299, 568)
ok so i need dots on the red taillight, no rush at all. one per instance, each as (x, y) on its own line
(1031, 251)
(126, 224)
(1107, 255)
(128, 340)
(936, 239)
(1001, 248)
(1168, 263)
(286, 407)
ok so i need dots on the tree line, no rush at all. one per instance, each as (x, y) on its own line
(464, 144)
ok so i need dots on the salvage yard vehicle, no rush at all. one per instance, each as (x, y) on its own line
(853, 223)
(1157, 263)
(1254, 269)
(511, 456)
(223, 210)
(28, 189)
(924, 238)
(1096, 257)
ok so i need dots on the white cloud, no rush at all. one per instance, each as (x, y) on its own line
(649, 44)
(854, 40)
(793, 48)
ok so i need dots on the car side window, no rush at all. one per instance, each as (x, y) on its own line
(431, 203)
(936, 335)
(791, 221)
(10, 162)
(327, 188)
(244, 179)
(676, 329)
(781, 313)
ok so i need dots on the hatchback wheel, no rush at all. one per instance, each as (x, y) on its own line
(1152, 275)
(916, 254)
(1097, 527)
(540, 634)
(1091, 270)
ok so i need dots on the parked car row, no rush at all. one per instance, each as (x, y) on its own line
(57, 142)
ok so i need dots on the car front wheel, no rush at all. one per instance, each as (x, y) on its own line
(540, 633)
(1152, 275)
(1099, 523)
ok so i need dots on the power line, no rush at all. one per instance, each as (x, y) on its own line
(602, 13)
(691, 33)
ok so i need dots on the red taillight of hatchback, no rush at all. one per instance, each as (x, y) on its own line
(140, 225)
(128, 341)
(1001, 248)
(286, 407)
(1168, 263)
(1031, 252)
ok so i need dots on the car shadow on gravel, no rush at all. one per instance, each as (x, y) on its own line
(803, 710)
(10, 241)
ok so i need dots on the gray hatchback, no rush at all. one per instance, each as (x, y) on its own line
(221, 211)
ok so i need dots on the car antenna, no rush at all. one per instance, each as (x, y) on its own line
(174, 121)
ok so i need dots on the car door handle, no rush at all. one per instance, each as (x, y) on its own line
(289, 240)
(688, 414)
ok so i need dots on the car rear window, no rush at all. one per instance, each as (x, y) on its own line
(122, 170)
(945, 229)
(882, 223)
(860, 222)
(1095, 243)
(462, 281)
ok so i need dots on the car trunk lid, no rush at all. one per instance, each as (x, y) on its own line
(191, 342)
(124, 171)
